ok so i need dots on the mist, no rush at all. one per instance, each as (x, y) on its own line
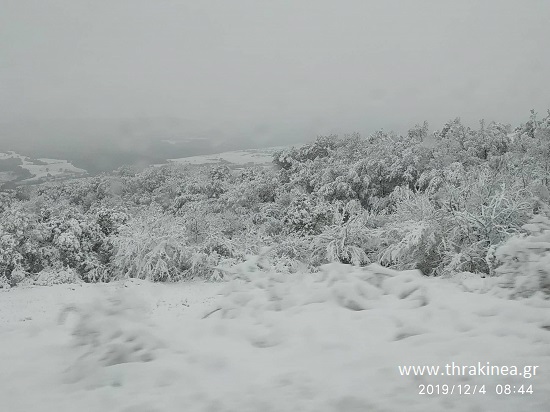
(125, 74)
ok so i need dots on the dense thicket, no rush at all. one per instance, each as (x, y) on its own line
(455, 200)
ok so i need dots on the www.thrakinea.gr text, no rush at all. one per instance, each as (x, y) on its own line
(478, 369)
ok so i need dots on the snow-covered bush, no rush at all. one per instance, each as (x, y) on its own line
(454, 222)
(524, 260)
(322, 147)
(94, 270)
(254, 186)
(110, 220)
(411, 245)
(289, 254)
(68, 238)
(50, 276)
(18, 276)
(152, 246)
(487, 214)
(346, 240)
(342, 244)
(411, 237)
(306, 214)
(10, 258)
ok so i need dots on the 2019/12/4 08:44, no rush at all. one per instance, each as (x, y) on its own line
(467, 389)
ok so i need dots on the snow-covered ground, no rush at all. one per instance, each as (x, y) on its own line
(53, 168)
(331, 341)
(7, 176)
(237, 157)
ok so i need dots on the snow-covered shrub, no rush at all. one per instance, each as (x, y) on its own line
(411, 239)
(75, 238)
(289, 254)
(453, 224)
(253, 187)
(229, 224)
(524, 259)
(306, 214)
(18, 276)
(16, 226)
(110, 220)
(322, 147)
(152, 246)
(51, 276)
(10, 258)
(346, 240)
(197, 222)
(7, 199)
(489, 214)
(96, 271)
(220, 246)
(411, 245)
(268, 220)
(204, 265)
(341, 244)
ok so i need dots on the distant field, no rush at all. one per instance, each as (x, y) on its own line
(15, 167)
(236, 157)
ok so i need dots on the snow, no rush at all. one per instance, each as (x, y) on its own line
(264, 341)
(53, 168)
(50, 161)
(7, 176)
(60, 168)
(239, 157)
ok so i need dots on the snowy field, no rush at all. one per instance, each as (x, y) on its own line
(44, 167)
(331, 341)
(238, 157)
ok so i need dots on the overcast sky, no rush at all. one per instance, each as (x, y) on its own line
(274, 67)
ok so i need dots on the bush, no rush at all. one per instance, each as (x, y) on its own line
(346, 240)
(152, 246)
(49, 277)
(306, 215)
(524, 260)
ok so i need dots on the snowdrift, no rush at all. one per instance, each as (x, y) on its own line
(263, 341)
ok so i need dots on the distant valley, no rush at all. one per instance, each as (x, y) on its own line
(29, 150)
(17, 169)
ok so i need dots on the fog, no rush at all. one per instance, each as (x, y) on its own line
(250, 73)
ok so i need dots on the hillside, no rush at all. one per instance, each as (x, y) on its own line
(17, 168)
(219, 284)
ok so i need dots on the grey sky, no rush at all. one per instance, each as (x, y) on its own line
(266, 67)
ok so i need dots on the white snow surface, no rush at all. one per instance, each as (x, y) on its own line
(238, 157)
(53, 168)
(264, 341)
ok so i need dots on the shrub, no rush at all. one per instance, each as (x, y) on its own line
(152, 246)
(524, 260)
(346, 240)
(307, 215)
(51, 276)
